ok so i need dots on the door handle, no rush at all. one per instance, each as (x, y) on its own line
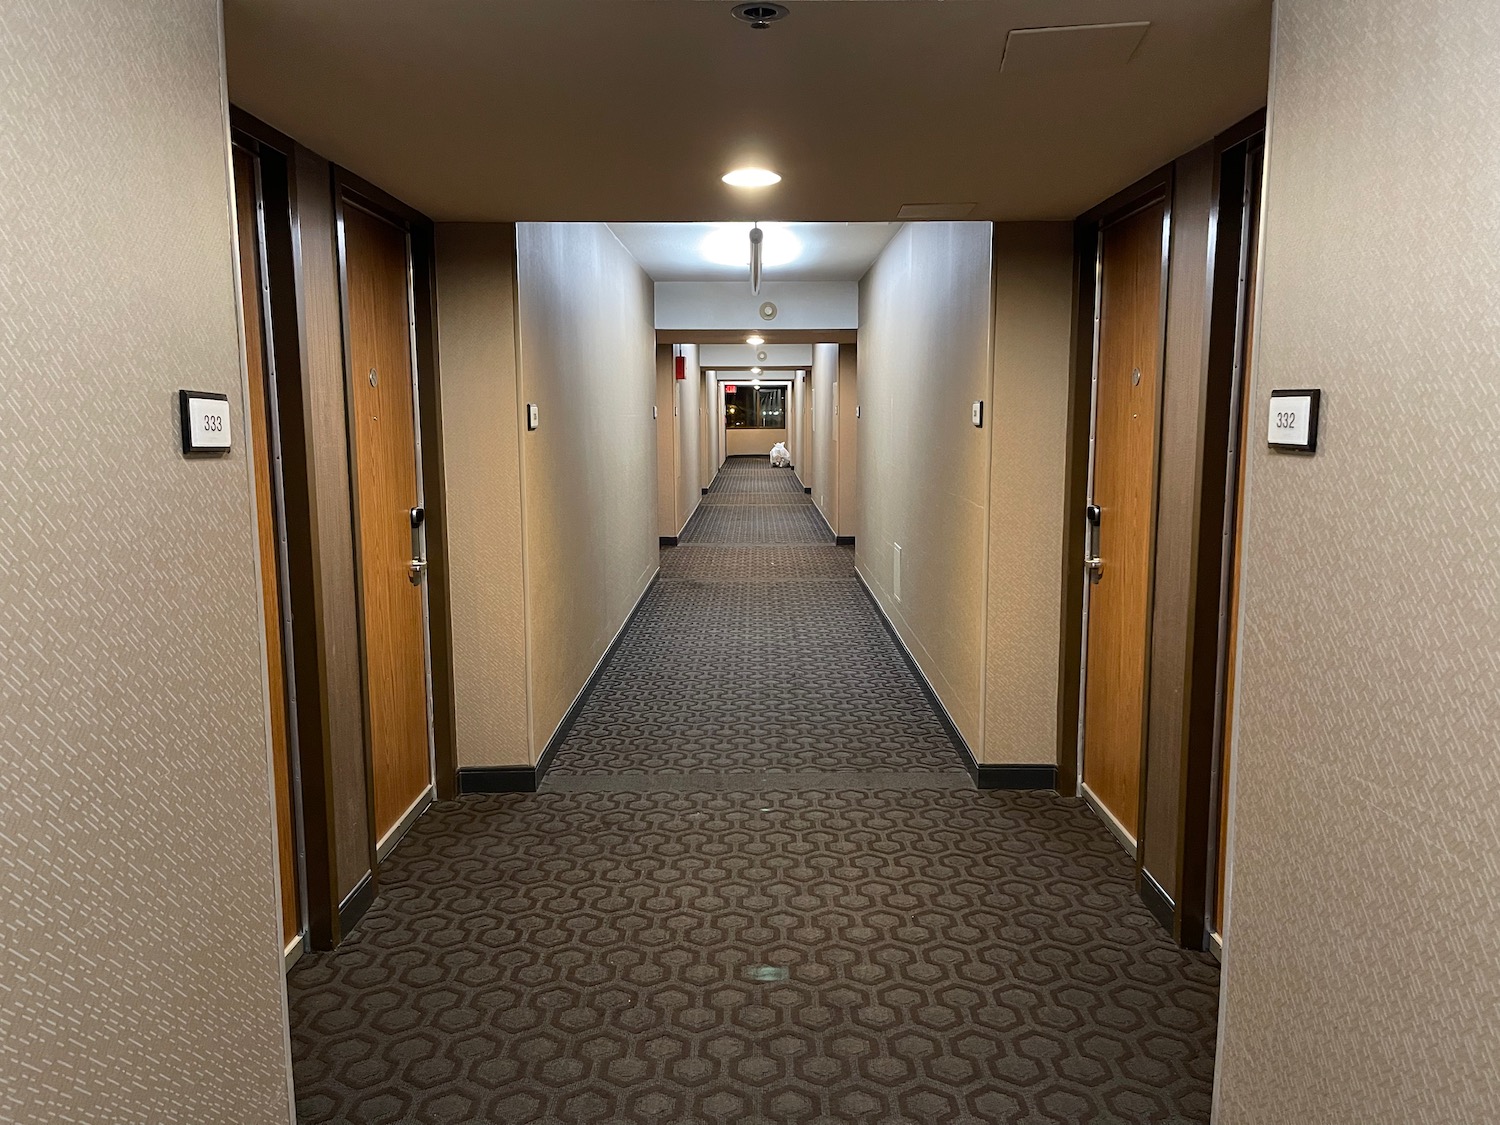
(416, 570)
(1094, 563)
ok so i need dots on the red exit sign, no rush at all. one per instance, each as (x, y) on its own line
(730, 388)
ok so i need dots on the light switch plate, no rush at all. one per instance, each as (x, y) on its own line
(976, 414)
(533, 416)
(653, 412)
(1292, 424)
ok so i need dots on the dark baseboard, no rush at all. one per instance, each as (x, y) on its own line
(705, 491)
(844, 540)
(807, 489)
(668, 540)
(985, 776)
(1162, 908)
(353, 908)
(528, 779)
(498, 779)
(1015, 777)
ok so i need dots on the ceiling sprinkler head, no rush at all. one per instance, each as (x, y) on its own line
(760, 16)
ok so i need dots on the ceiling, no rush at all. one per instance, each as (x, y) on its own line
(631, 110)
(824, 251)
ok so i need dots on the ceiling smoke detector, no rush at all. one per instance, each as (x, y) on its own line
(760, 16)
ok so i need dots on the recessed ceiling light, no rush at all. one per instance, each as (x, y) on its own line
(751, 177)
(755, 371)
(755, 341)
(728, 244)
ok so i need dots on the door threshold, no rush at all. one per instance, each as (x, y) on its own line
(389, 841)
(294, 951)
(1109, 818)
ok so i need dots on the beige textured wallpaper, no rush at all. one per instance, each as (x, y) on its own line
(1363, 961)
(139, 948)
(1028, 426)
(822, 427)
(589, 472)
(924, 358)
(688, 423)
(666, 443)
(482, 427)
(848, 430)
(752, 443)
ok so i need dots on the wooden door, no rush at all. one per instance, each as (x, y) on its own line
(1232, 619)
(1124, 484)
(376, 260)
(259, 423)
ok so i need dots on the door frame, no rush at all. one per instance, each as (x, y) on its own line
(351, 190)
(307, 664)
(1214, 549)
(1073, 656)
(275, 177)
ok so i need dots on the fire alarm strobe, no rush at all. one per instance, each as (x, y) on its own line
(760, 16)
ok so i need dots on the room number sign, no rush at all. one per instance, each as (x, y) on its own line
(205, 421)
(1293, 424)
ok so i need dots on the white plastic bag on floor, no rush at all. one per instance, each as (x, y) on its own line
(781, 457)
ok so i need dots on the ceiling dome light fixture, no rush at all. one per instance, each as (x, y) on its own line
(755, 341)
(755, 371)
(751, 178)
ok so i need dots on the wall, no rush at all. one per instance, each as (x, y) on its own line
(731, 305)
(713, 422)
(687, 421)
(825, 367)
(752, 443)
(141, 953)
(666, 443)
(589, 471)
(743, 355)
(1028, 423)
(797, 423)
(1363, 958)
(476, 294)
(924, 358)
(848, 441)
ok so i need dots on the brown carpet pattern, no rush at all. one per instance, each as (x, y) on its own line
(741, 901)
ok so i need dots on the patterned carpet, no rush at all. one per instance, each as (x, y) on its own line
(757, 889)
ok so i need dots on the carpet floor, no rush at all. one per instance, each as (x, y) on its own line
(756, 888)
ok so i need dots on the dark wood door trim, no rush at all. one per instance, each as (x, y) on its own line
(1215, 475)
(308, 642)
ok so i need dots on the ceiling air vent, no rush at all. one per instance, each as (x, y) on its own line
(760, 16)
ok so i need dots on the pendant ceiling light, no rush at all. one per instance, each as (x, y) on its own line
(757, 238)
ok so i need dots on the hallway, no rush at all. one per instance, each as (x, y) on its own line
(757, 886)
